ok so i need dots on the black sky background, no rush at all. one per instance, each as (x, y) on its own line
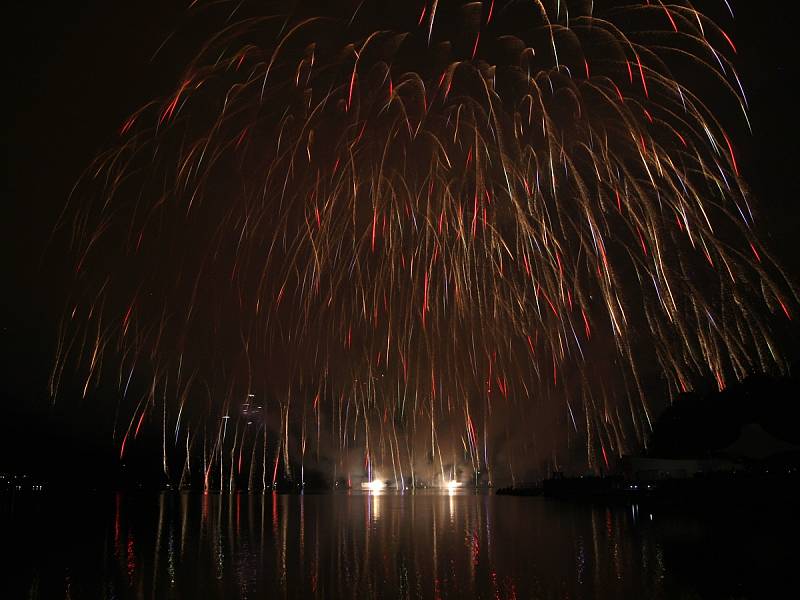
(74, 71)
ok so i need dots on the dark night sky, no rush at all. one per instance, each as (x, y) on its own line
(75, 71)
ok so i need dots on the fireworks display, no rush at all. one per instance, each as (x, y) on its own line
(421, 241)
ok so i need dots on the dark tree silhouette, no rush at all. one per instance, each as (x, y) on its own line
(696, 426)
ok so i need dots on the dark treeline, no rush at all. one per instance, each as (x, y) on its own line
(698, 426)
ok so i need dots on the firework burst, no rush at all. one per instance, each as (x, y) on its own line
(367, 227)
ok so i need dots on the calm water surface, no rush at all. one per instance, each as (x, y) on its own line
(189, 545)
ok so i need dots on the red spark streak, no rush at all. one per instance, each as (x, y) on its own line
(730, 150)
(587, 328)
(729, 40)
(641, 73)
(671, 20)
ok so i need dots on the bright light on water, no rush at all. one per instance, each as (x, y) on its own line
(376, 485)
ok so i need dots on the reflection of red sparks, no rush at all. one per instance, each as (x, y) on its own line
(376, 485)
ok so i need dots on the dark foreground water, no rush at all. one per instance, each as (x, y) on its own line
(189, 545)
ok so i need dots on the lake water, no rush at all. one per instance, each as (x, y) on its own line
(424, 545)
